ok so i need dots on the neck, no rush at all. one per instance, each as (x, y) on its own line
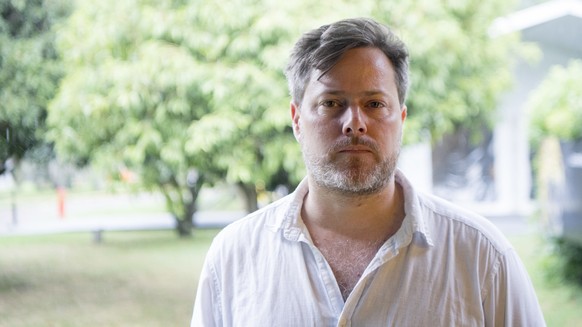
(366, 217)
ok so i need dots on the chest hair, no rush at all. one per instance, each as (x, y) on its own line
(348, 259)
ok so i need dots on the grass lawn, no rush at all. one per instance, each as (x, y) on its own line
(149, 279)
(131, 279)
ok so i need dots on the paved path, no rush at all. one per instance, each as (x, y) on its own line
(157, 221)
(93, 212)
(90, 213)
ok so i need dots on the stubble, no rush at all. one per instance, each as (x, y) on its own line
(355, 176)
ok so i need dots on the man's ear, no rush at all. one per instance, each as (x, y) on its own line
(404, 112)
(295, 119)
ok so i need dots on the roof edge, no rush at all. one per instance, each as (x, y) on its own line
(535, 15)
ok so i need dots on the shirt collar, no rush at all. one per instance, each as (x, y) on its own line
(414, 221)
(291, 224)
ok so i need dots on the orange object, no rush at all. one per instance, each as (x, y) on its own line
(61, 193)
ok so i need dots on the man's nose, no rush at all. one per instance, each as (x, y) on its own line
(354, 123)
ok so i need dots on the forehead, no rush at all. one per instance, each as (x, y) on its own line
(358, 70)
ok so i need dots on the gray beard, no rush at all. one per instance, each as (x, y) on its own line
(353, 177)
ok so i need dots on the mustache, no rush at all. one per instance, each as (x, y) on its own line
(338, 146)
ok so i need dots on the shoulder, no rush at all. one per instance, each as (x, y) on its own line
(449, 220)
(444, 222)
(248, 231)
(271, 217)
(270, 220)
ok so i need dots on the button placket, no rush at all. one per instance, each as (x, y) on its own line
(327, 276)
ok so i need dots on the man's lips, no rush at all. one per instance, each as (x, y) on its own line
(355, 149)
(355, 146)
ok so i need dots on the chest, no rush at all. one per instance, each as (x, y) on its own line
(291, 287)
(348, 261)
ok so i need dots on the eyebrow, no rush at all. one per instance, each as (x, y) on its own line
(365, 93)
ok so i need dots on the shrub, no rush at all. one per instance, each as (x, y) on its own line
(556, 105)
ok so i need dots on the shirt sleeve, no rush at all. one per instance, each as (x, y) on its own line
(207, 302)
(511, 298)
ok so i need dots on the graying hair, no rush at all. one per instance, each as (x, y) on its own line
(321, 48)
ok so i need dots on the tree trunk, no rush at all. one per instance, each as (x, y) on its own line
(185, 224)
(184, 227)
(250, 196)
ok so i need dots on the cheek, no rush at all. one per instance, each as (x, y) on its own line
(312, 138)
(391, 135)
(320, 130)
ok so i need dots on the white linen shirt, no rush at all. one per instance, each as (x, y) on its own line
(443, 267)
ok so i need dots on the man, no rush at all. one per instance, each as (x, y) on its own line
(355, 244)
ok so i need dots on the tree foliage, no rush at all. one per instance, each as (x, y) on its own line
(177, 89)
(29, 73)
(556, 105)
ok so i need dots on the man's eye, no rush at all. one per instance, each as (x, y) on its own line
(330, 103)
(375, 104)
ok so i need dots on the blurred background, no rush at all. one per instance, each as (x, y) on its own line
(131, 131)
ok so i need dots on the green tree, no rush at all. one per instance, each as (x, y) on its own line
(130, 97)
(29, 73)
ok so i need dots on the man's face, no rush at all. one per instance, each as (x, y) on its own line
(349, 124)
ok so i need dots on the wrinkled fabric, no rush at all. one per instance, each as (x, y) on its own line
(444, 267)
